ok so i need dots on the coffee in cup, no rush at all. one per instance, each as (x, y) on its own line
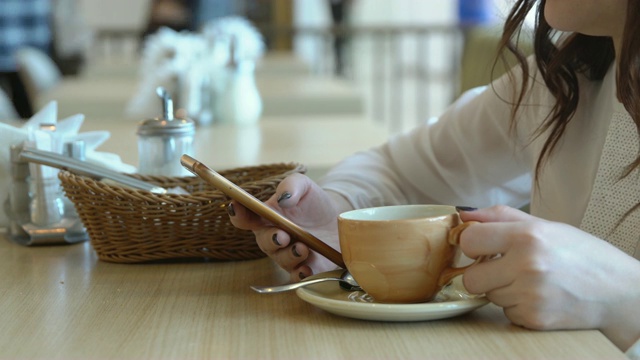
(403, 253)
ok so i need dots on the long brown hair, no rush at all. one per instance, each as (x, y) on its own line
(560, 65)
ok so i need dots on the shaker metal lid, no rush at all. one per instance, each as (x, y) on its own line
(167, 125)
(151, 127)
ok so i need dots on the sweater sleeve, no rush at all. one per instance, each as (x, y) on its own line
(633, 352)
(467, 156)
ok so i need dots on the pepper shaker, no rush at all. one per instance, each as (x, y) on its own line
(162, 141)
(240, 103)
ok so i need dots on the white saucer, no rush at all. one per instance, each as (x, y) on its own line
(451, 301)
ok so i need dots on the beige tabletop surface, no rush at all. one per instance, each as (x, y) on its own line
(278, 63)
(283, 93)
(318, 142)
(62, 302)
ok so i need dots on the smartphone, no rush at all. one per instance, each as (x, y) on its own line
(250, 202)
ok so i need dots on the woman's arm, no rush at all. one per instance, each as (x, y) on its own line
(467, 156)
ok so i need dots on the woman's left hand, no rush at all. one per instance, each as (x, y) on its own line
(551, 275)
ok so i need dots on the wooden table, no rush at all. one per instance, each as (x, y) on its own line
(106, 91)
(61, 302)
(319, 142)
(277, 63)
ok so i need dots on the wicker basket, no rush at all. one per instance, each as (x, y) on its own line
(130, 226)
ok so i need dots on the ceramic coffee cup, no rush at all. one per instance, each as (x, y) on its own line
(404, 253)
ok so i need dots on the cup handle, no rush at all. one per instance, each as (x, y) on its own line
(454, 239)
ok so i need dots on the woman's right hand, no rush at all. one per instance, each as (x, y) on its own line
(302, 201)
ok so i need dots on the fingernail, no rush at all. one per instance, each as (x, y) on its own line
(295, 252)
(301, 275)
(284, 196)
(274, 238)
(466, 208)
(230, 210)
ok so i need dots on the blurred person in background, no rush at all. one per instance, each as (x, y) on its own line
(72, 37)
(22, 23)
(174, 14)
(206, 10)
(340, 11)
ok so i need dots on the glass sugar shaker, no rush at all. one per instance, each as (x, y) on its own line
(162, 141)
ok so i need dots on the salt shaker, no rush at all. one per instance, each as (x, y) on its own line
(240, 103)
(46, 206)
(162, 141)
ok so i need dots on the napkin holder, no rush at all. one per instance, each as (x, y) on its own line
(37, 211)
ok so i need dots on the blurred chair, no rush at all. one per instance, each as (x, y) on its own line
(479, 55)
(38, 71)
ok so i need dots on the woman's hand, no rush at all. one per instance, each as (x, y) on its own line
(551, 275)
(302, 201)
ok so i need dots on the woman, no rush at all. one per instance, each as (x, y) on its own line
(561, 132)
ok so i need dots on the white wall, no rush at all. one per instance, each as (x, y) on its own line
(315, 13)
(404, 12)
(132, 13)
(115, 14)
(409, 91)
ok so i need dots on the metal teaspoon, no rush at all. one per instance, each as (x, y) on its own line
(347, 282)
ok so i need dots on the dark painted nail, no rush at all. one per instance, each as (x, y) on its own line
(466, 208)
(284, 196)
(274, 238)
(301, 275)
(295, 252)
(230, 210)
